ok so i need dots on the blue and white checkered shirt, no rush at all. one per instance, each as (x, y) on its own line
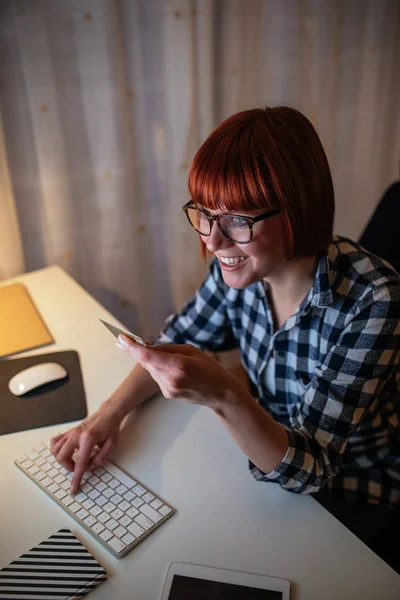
(336, 370)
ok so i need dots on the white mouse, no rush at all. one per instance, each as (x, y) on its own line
(36, 376)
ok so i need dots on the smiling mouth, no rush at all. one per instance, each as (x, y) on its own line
(230, 262)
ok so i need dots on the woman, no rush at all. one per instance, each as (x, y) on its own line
(315, 318)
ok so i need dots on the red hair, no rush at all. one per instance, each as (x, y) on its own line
(269, 158)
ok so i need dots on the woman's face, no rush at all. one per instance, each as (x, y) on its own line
(259, 259)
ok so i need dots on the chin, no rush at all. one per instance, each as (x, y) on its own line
(239, 282)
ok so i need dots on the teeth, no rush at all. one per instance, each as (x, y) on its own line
(232, 261)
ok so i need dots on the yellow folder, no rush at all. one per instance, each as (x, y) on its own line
(21, 326)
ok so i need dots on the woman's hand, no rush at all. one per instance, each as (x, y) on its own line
(100, 429)
(185, 372)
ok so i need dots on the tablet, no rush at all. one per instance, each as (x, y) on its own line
(197, 583)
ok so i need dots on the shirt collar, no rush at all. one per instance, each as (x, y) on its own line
(321, 294)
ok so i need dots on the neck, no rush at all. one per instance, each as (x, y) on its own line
(291, 281)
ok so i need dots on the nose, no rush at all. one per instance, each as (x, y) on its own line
(216, 240)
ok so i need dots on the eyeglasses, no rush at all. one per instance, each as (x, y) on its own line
(236, 228)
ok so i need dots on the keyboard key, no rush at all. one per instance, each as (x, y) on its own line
(106, 477)
(47, 481)
(106, 535)
(93, 480)
(132, 512)
(39, 476)
(52, 473)
(81, 497)
(129, 496)
(59, 479)
(100, 487)
(121, 489)
(40, 461)
(139, 490)
(113, 483)
(116, 499)
(165, 510)
(100, 501)
(33, 469)
(128, 539)
(93, 494)
(82, 514)
(136, 502)
(51, 459)
(96, 510)
(99, 471)
(117, 514)
(27, 464)
(112, 524)
(66, 484)
(103, 517)
(74, 507)
(116, 544)
(60, 494)
(89, 521)
(124, 505)
(46, 467)
(156, 504)
(88, 504)
(151, 513)
(32, 454)
(108, 492)
(46, 453)
(148, 497)
(136, 530)
(67, 500)
(86, 488)
(39, 448)
(98, 528)
(109, 507)
(125, 521)
(120, 531)
(144, 522)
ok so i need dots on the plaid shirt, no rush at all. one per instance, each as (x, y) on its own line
(336, 370)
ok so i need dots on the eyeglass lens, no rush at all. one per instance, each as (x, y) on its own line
(236, 228)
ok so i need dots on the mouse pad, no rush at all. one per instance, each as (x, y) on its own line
(56, 402)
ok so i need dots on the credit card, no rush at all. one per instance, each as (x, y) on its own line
(116, 331)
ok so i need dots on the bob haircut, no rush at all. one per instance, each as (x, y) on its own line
(268, 158)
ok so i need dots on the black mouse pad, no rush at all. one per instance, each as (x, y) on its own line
(56, 402)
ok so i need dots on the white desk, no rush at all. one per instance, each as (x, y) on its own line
(225, 519)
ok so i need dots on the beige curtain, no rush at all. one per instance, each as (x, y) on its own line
(104, 103)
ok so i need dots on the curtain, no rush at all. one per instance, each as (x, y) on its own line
(103, 104)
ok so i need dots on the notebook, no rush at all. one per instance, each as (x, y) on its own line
(60, 567)
(21, 326)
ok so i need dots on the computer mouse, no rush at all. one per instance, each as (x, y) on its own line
(29, 379)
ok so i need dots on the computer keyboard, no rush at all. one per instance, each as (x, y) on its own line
(117, 510)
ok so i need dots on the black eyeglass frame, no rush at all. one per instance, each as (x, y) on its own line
(211, 218)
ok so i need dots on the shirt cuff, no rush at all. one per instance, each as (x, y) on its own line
(293, 471)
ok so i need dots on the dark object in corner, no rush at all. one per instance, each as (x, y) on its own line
(381, 236)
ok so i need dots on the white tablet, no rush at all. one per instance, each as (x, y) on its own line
(186, 581)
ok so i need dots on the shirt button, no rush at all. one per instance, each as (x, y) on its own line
(281, 353)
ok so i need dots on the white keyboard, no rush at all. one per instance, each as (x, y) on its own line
(119, 511)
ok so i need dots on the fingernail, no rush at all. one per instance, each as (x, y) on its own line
(120, 346)
(72, 491)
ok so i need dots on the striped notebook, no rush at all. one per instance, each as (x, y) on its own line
(59, 568)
